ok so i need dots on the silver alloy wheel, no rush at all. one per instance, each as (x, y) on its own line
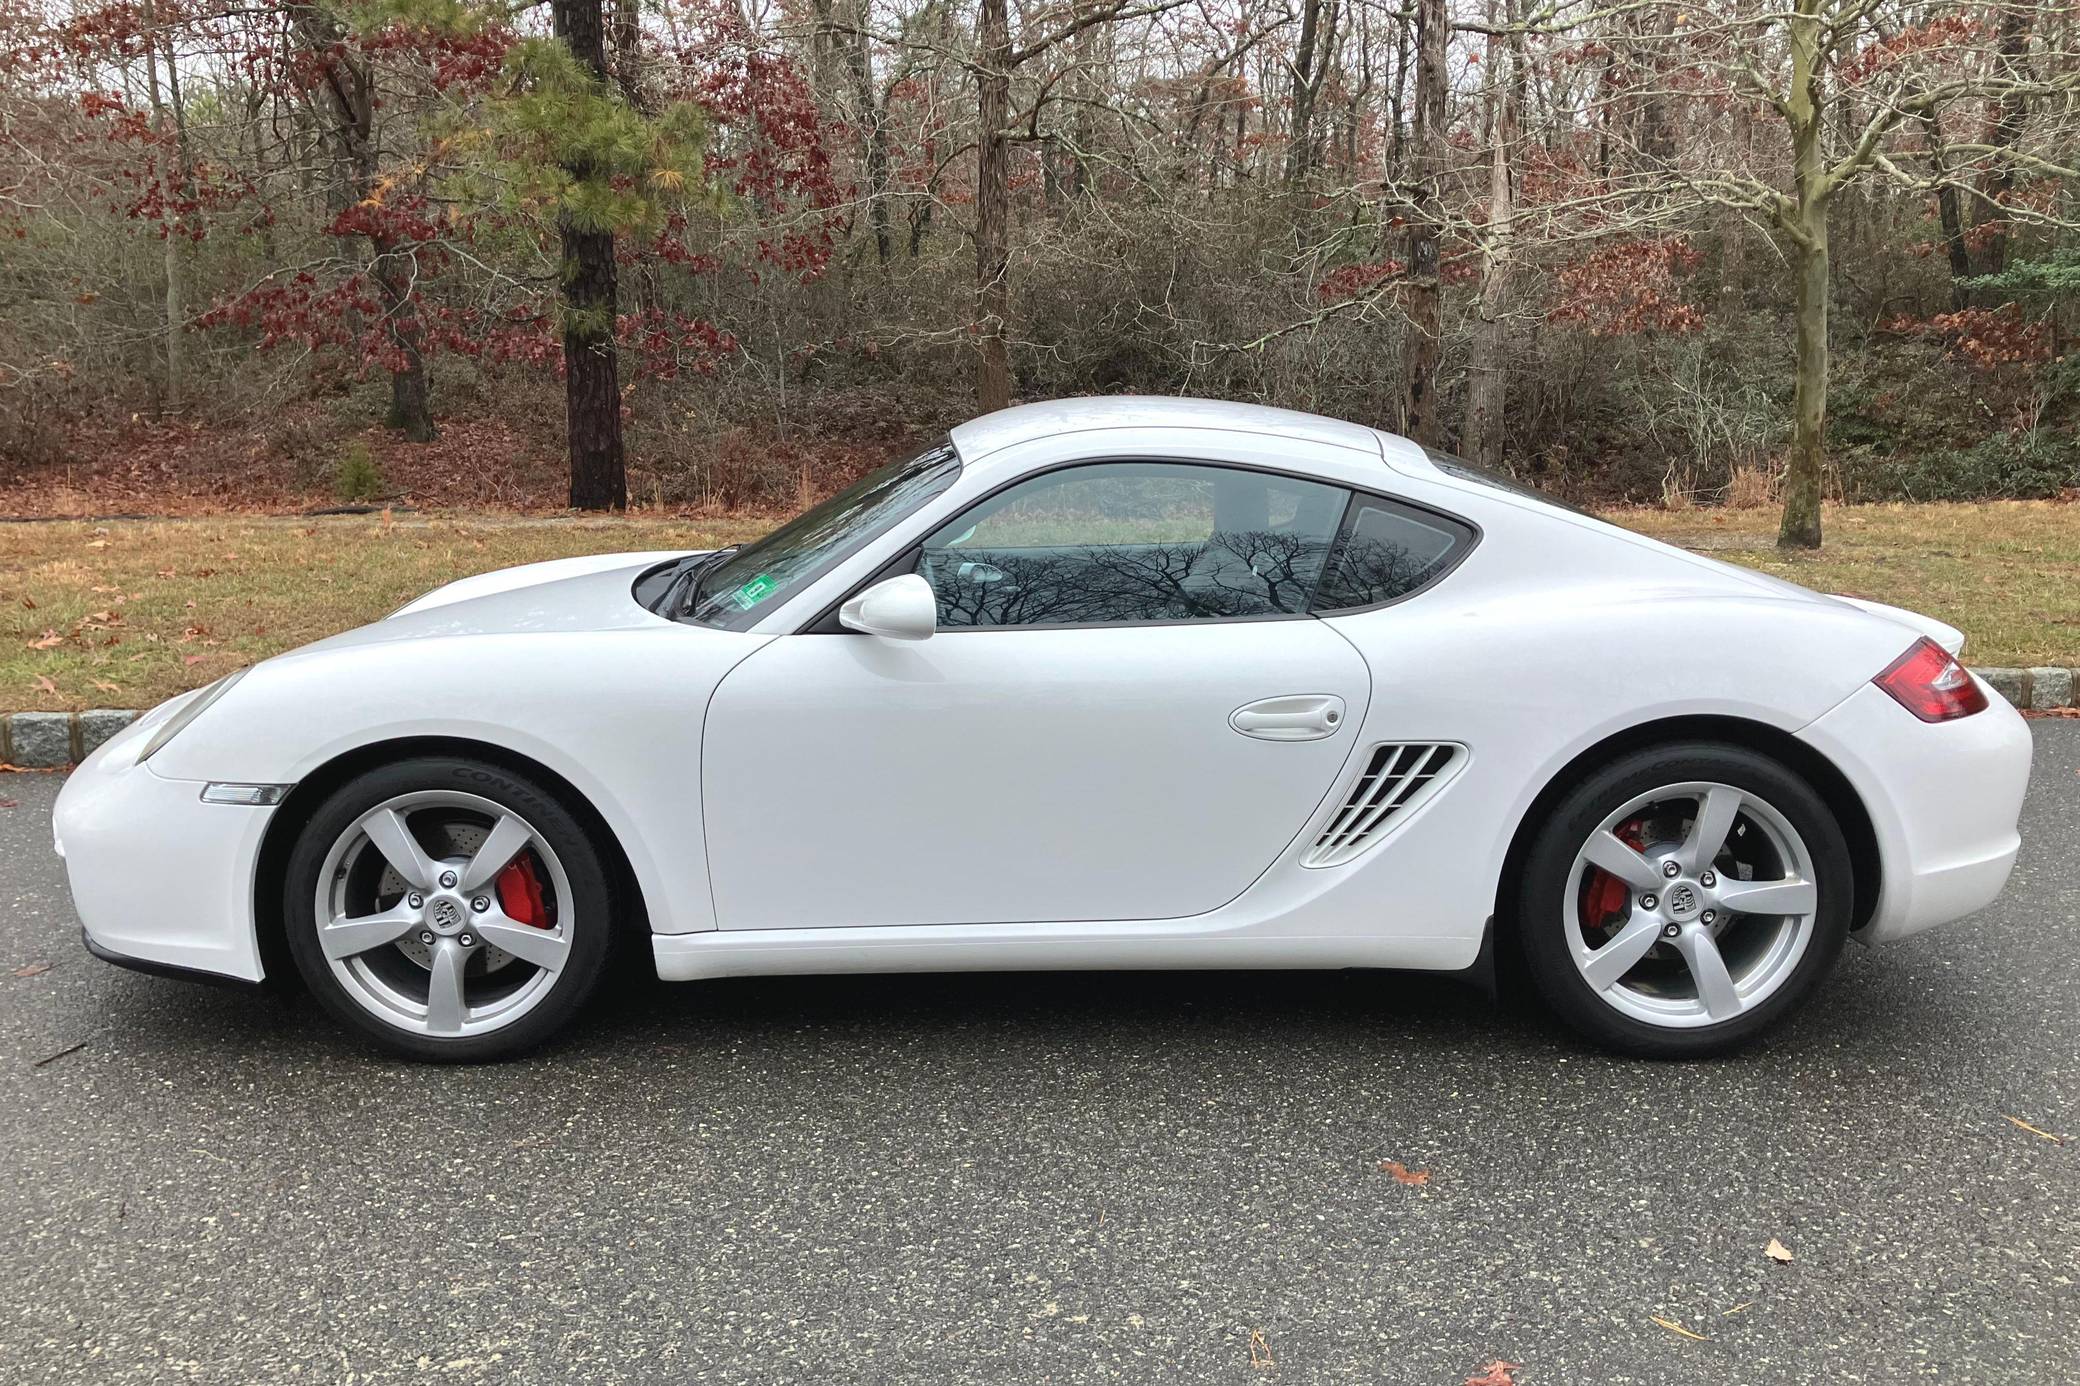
(431, 957)
(1715, 919)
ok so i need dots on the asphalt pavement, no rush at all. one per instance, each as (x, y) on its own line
(1058, 1178)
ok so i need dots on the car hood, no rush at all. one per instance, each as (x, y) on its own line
(536, 575)
(591, 593)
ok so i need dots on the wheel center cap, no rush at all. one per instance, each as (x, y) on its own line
(445, 916)
(1683, 900)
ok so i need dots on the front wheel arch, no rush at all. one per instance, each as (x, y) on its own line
(1832, 786)
(287, 823)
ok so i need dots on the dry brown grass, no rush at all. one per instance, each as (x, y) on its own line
(2006, 573)
(124, 614)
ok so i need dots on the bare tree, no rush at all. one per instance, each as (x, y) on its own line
(1420, 406)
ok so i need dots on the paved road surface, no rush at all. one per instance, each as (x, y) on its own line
(1050, 1179)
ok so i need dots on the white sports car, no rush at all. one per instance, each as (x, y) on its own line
(1111, 683)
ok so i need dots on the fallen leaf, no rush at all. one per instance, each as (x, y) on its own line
(1403, 1174)
(43, 681)
(50, 639)
(1259, 1347)
(1778, 1252)
(1672, 1326)
(1740, 1308)
(28, 603)
(2037, 1131)
(1496, 1373)
(10, 803)
(104, 687)
(193, 660)
(34, 969)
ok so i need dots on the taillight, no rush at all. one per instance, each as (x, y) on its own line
(1927, 682)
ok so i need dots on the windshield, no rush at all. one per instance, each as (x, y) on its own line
(741, 588)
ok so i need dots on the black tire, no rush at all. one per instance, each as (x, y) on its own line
(591, 938)
(1540, 919)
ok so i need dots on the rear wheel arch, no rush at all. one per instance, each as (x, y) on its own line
(288, 821)
(1832, 786)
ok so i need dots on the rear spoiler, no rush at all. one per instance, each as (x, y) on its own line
(1949, 637)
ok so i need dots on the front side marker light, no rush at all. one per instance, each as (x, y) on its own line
(252, 795)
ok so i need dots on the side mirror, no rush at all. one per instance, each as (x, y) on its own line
(898, 608)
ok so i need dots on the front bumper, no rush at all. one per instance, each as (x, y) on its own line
(1944, 799)
(159, 878)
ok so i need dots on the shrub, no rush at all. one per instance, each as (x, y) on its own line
(357, 477)
(2028, 465)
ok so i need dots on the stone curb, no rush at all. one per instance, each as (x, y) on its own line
(48, 740)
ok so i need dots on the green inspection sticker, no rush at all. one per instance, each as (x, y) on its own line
(754, 591)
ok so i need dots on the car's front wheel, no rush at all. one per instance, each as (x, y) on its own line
(448, 909)
(1683, 899)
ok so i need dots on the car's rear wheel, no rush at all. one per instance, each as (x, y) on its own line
(1683, 899)
(448, 909)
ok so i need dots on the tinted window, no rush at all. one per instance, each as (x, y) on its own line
(744, 586)
(1388, 551)
(1134, 541)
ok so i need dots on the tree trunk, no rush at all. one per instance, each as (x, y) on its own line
(1808, 234)
(993, 212)
(874, 129)
(628, 53)
(1419, 402)
(410, 408)
(1300, 138)
(169, 126)
(349, 88)
(1948, 213)
(592, 368)
(1801, 526)
(1487, 382)
(2002, 133)
(1733, 257)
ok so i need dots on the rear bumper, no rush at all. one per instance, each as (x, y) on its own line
(1944, 799)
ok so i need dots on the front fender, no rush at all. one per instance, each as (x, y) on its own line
(617, 714)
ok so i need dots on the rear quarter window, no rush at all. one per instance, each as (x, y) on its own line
(1389, 551)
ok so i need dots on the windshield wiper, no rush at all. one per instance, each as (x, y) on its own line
(673, 601)
(700, 575)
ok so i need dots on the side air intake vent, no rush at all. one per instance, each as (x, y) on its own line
(1398, 777)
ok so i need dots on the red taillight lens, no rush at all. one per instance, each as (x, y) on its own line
(1927, 682)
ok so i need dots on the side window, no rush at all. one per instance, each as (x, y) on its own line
(1388, 551)
(1135, 541)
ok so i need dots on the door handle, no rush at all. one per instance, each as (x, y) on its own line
(1297, 717)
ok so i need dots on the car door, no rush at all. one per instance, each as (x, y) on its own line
(1125, 713)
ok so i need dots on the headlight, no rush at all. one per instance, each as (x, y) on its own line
(197, 705)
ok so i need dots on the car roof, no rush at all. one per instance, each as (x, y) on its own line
(978, 438)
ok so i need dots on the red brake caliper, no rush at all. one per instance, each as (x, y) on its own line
(1605, 899)
(520, 893)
